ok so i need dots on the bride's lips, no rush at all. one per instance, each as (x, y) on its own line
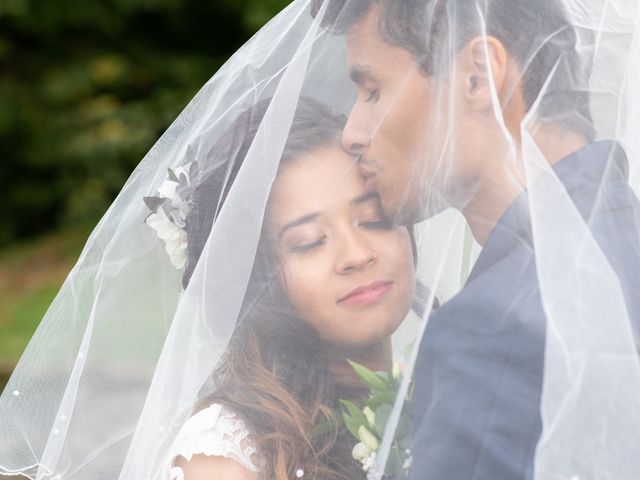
(366, 294)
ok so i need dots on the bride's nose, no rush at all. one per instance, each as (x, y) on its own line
(353, 253)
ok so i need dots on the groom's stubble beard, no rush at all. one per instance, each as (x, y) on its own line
(437, 177)
(425, 199)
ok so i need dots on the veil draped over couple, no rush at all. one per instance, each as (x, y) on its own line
(388, 239)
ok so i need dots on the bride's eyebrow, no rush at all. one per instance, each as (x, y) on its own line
(300, 221)
(360, 199)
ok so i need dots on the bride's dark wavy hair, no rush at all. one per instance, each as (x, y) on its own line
(275, 372)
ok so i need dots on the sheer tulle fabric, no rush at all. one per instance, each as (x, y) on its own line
(125, 354)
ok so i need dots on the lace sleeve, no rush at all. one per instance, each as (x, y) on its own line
(214, 431)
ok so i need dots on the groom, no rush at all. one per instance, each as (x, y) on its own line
(480, 369)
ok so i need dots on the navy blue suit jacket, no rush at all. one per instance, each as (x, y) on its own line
(478, 376)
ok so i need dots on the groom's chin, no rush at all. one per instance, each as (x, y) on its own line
(425, 208)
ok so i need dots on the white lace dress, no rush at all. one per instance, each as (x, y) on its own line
(214, 431)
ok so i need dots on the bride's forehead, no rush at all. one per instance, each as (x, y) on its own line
(329, 169)
(316, 181)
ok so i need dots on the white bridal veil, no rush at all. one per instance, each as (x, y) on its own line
(126, 351)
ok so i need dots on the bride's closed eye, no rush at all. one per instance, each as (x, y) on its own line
(306, 246)
(382, 224)
(372, 216)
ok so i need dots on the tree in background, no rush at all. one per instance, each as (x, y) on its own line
(86, 88)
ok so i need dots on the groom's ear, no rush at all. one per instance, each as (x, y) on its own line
(482, 66)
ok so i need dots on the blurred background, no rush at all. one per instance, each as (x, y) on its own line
(86, 88)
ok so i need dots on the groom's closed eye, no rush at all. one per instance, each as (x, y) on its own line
(364, 80)
(361, 74)
(372, 95)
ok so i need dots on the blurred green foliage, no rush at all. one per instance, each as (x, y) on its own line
(31, 273)
(86, 88)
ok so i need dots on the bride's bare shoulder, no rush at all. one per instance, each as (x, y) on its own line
(214, 443)
(204, 467)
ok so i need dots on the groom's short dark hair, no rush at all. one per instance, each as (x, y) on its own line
(537, 33)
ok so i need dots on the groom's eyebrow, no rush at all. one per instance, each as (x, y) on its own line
(359, 74)
(300, 221)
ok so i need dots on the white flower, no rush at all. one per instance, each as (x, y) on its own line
(369, 464)
(184, 169)
(175, 238)
(177, 249)
(168, 189)
(170, 214)
(360, 451)
(180, 210)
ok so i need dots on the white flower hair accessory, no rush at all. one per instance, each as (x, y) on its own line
(170, 209)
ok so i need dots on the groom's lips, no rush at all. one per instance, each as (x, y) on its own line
(369, 184)
(366, 294)
(368, 175)
(369, 180)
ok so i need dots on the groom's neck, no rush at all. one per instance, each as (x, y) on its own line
(505, 177)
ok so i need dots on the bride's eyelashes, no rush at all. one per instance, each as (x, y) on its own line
(305, 247)
(383, 224)
(373, 217)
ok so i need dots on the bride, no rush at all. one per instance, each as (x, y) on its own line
(332, 280)
(206, 327)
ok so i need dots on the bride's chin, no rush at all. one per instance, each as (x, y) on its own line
(372, 335)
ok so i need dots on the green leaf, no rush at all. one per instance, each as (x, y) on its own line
(369, 377)
(355, 414)
(404, 442)
(382, 417)
(355, 411)
(351, 424)
(394, 463)
(193, 169)
(172, 176)
(386, 378)
(380, 399)
(404, 428)
(153, 203)
(190, 156)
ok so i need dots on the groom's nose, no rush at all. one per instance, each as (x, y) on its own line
(355, 136)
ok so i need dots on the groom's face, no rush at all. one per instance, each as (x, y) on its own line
(391, 126)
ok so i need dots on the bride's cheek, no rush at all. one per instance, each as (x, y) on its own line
(296, 284)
